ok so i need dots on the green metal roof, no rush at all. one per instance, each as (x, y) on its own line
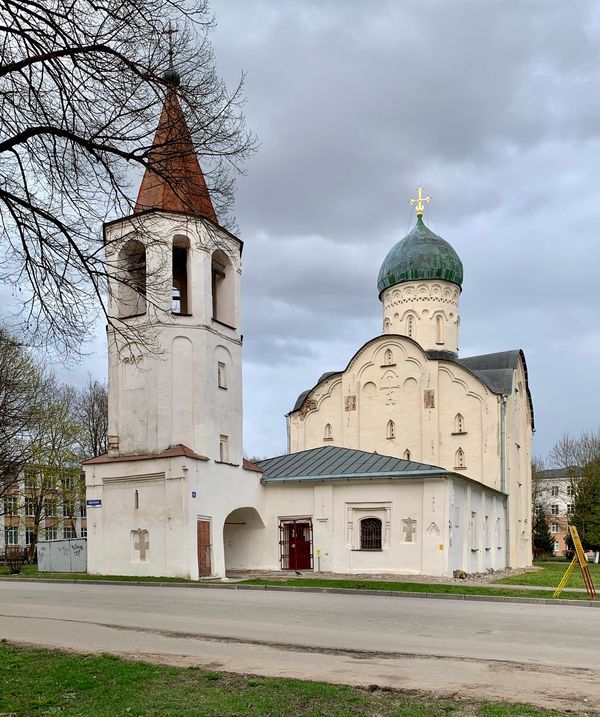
(420, 255)
(335, 463)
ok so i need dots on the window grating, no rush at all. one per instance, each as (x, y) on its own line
(370, 534)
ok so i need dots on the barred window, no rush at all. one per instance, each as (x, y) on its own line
(370, 534)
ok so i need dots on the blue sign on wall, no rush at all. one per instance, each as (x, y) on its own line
(94, 503)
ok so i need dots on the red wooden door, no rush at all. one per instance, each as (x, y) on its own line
(204, 548)
(297, 546)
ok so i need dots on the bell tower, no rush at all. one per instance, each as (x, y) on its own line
(174, 339)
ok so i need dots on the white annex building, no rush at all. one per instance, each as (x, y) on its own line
(409, 460)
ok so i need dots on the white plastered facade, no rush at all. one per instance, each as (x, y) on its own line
(182, 387)
(396, 399)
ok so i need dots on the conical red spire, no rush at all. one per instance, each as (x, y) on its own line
(173, 180)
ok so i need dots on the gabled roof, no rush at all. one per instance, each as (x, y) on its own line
(334, 463)
(551, 473)
(500, 359)
(172, 452)
(495, 370)
(250, 466)
(173, 180)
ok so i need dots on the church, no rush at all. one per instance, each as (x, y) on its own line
(410, 460)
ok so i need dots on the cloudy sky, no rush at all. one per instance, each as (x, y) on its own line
(494, 105)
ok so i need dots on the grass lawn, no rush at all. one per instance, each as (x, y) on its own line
(42, 682)
(415, 587)
(550, 575)
(31, 571)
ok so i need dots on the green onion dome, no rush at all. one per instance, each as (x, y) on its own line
(420, 255)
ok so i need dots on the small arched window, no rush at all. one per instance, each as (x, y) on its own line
(459, 459)
(459, 423)
(132, 279)
(406, 455)
(410, 327)
(328, 434)
(370, 534)
(386, 326)
(439, 330)
(388, 358)
(390, 430)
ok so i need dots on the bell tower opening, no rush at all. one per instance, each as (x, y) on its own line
(180, 303)
(222, 289)
(132, 283)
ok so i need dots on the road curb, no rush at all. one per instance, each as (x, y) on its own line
(302, 589)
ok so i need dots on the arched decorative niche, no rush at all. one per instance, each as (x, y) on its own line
(406, 455)
(459, 424)
(459, 459)
(131, 291)
(223, 290)
(390, 431)
(386, 326)
(388, 358)
(410, 326)
(181, 292)
(328, 432)
(369, 389)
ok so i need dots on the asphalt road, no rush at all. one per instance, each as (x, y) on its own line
(547, 655)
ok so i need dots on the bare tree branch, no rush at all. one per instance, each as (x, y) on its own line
(81, 88)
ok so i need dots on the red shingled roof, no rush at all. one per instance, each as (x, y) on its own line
(171, 452)
(249, 466)
(173, 180)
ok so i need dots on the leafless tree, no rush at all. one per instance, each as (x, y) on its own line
(52, 476)
(82, 86)
(574, 452)
(91, 413)
(19, 394)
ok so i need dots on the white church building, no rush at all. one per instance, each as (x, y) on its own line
(409, 460)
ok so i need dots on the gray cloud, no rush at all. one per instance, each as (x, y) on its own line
(495, 106)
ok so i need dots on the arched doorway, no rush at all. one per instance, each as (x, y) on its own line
(243, 533)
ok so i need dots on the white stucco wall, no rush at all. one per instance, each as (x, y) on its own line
(166, 392)
(335, 509)
(422, 397)
(173, 494)
(426, 311)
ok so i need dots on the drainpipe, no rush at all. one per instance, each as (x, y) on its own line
(503, 476)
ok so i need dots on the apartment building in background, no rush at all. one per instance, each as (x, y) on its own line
(554, 495)
(56, 503)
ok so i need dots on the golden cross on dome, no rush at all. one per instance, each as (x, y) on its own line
(419, 201)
